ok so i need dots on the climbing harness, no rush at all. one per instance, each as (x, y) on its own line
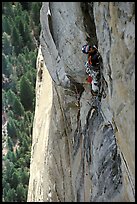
(94, 71)
(95, 79)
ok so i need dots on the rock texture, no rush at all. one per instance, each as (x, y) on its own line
(117, 47)
(83, 146)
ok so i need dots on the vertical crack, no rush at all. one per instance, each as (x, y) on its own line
(89, 24)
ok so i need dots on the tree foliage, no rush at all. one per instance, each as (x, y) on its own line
(6, 44)
(26, 93)
(19, 54)
(11, 128)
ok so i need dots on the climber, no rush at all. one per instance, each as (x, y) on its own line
(92, 68)
(93, 55)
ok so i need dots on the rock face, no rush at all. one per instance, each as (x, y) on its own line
(83, 146)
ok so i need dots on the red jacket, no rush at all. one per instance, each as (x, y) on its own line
(89, 79)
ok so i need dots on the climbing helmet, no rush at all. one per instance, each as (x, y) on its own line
(85, 49)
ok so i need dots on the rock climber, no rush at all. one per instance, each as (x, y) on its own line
(93, 55)
(91, 67)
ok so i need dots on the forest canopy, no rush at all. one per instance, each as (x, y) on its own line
(20, 41)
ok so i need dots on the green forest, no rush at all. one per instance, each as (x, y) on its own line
(20, 41)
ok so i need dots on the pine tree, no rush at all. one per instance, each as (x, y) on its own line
(21, 194)
(17, 107)
(10, 144)
(15, 180)
(11, 156)
(11, 128)
(28, 37)
(6, 70)
(13, 82)
(32, 56)
(4, 99)
(21, 65)
(7, 9)
(35, 18)
(6, 27)
(17, 9)
(26, 93)
(6, 44)
(10, 195)
(16, 40)
(10, 97)
(9, 170)
(25, 177)
(27, 157)
(21, 27)
(21, 161)
(25, 144)
(31, 76)
(6, 188)
(15, 103)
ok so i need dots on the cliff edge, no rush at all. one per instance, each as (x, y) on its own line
(83, 148)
